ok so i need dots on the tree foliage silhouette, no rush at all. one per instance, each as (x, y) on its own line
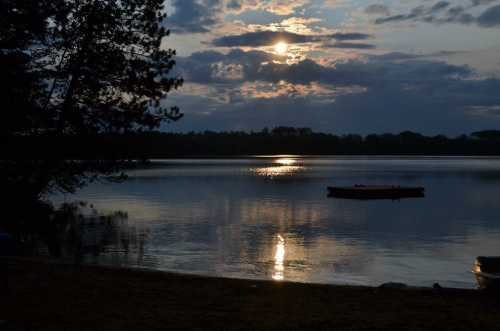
(111, 70)
(22, 25)
(76, 67)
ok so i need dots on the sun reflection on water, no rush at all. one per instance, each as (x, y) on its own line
(286, 161)
(279, 258)
(282, 167)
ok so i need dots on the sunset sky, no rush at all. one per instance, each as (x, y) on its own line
(339, 66)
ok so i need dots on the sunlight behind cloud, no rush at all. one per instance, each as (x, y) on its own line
(339, 60)
(281, 48)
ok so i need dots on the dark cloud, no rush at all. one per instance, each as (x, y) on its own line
(420, 12)
(439, 6)
(259, 66)
(390, 92)
(234, 5)
(482, 2)
(414, 14)
(490, 17)
(464, 18)
(457, 14)
(394, 18)
(194, 16)
(455, 11)
(398, 92)
(260, 38)
(266, 38)
(396, 56)
(387, 108)
(349, 36)
(204, 67)
(348, 45)
(399, 56)
(377, 9)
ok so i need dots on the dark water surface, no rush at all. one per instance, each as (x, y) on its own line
(270, 218)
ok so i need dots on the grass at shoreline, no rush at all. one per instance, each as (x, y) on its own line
(53, 296)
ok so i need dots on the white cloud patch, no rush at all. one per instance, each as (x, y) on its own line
(279, 7)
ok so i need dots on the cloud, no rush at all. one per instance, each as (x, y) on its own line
(347, 45)
(415, 13)
(456, 14)
(331, 81)
(204, 67)
(267, 38)
(486, 111)
(399, 56)
(386, 108)
(233, 5)
(490, 17)
(194, 16)
(439, 6)
(350, 36)
(377, 9)
(390, 92)
(482, 2)
(394, 18)
(278, 7)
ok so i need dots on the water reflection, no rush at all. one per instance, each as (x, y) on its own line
(77, 233)
(216, 217)
(279, 258)
(281, 167)
(286, 161)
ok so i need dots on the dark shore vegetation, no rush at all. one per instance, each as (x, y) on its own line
(49, 296)
(280, 140)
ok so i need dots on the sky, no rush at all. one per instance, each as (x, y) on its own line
(339, 66)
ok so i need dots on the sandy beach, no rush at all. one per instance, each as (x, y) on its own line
(42, 295)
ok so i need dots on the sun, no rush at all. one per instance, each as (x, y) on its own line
(281, 48)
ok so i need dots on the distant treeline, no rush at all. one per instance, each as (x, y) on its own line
(280, 140)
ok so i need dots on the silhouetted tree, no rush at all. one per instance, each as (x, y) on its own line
(22, 26)
(80, 67)
(107, 71)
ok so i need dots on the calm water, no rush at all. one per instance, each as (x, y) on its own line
(270, 218)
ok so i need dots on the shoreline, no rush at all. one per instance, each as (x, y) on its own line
(333, 156)
(48, 295)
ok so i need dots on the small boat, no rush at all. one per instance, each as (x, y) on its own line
(375, 192)
(487, 272)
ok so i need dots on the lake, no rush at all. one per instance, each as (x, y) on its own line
(270, 218)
